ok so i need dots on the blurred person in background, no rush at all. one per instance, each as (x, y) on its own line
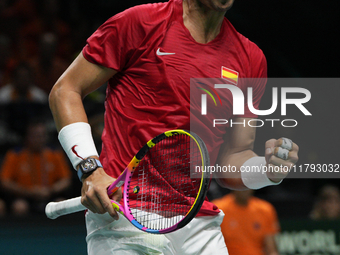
(34, 174)
(20, 100)
(249, 225)
(22, 88)
(14, 14)
(47, 20)
(327, 205)
(7, 62)
(129, 50)
(47, 66)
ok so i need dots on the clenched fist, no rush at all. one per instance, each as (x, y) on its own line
(281, 155)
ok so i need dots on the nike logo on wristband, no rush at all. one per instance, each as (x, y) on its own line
(160, 53)
(74, 151)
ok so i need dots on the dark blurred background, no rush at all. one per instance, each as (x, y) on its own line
(299, 38)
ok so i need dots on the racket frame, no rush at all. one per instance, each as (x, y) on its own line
(127, 174)
(54, 210)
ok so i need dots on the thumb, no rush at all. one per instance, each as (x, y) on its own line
(269, 149)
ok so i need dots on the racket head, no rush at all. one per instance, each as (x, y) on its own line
(163, 191)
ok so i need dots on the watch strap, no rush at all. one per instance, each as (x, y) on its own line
(80, 172)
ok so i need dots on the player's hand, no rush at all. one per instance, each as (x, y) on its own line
(94, 193)
(282, 155)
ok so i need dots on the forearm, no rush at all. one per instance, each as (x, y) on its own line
(237, 159)
(75, 136)
(66, 103)
(245, 169)
(232, 179)
(80, 79)
(66, 106)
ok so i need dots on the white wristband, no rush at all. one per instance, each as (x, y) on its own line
(253, 176)
(76, 140)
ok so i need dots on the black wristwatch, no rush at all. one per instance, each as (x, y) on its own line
(88, 166)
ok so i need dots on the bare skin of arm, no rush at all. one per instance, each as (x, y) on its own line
(204, 19)
(66, 103)
(238, 148)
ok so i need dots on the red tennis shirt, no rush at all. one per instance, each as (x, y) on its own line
(150, 93)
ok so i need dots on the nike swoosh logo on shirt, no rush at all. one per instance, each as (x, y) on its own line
(159, 53)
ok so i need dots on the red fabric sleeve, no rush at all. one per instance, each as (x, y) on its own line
(114, 42)
(258, 75)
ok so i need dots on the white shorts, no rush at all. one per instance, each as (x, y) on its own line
(202, 236)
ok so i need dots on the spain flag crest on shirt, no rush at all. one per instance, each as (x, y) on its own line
(230, 75)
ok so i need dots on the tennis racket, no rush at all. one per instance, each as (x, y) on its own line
(164, 184)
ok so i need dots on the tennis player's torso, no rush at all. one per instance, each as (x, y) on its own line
(151, 94)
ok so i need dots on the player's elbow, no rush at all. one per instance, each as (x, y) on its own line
(59, 93)
(55, 92)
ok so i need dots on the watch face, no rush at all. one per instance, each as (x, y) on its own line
(89, 165)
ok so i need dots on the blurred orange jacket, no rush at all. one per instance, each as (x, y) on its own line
(29, 170)
(245, 227)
